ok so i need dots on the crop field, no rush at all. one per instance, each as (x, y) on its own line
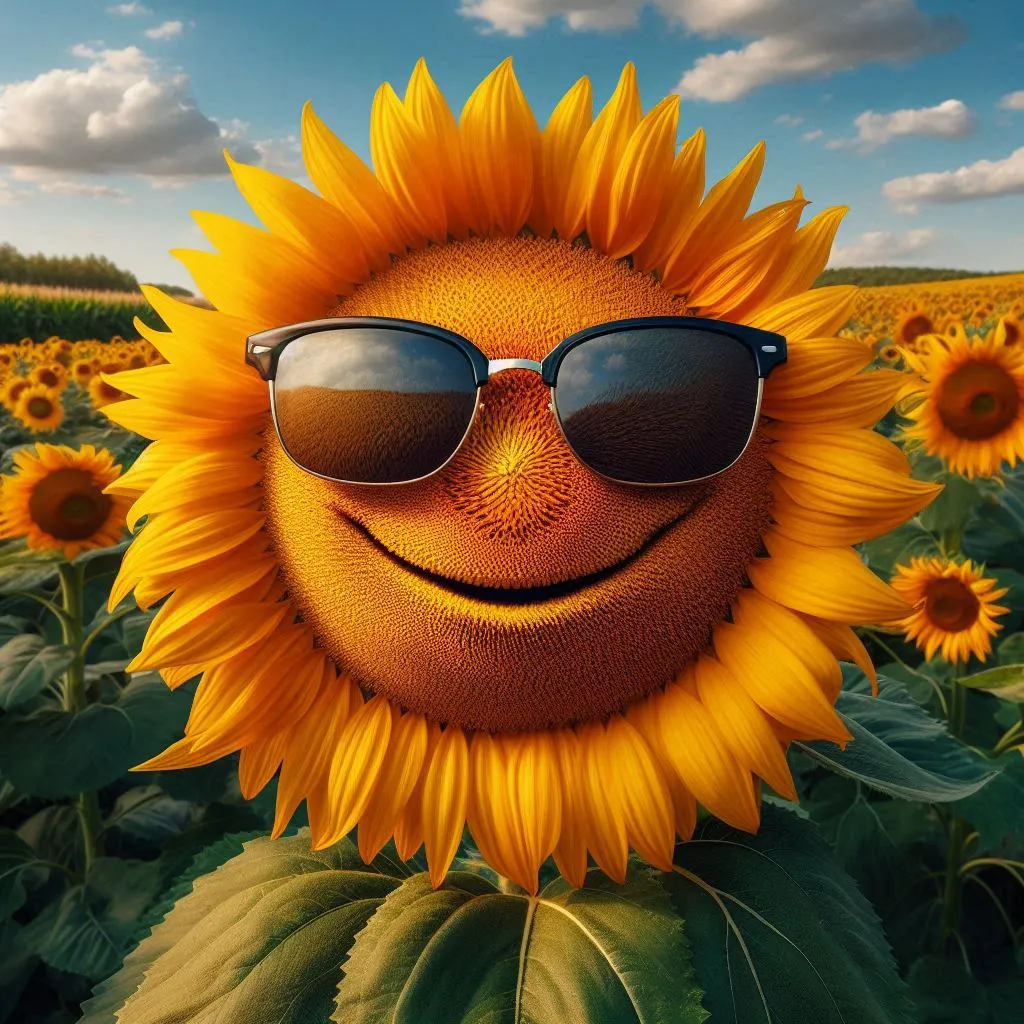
(923, 810)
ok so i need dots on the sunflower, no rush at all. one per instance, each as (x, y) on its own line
(39, 408)
(912, 323)
(11, 391)
(82, 371)
(51, 375)
(441, 654)
(55, 499)
(971, 407)
(102, 392)
(891, 355)
(954, 608)
(1009, 330)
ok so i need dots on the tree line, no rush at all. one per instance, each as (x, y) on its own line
(93, 272)
(879, 277)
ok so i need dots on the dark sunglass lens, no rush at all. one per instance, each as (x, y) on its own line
(658, 405)
(371, 404)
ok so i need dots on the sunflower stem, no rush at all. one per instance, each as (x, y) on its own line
(955, 848)
(72, 585)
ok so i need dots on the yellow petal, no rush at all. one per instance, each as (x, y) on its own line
(399, 774)
(570, 852)
(815, 364)
(814, 314)
(501, 149)
(679, 204)
(445, 795)
(604, 821)
(831, 583)
(806, 256)
(744, 726)
(845, 645)
(723, 208)
(409, 827)
(258, 762)
(407, 167)
(586, 205)
(859, 402)
(311, 224)
(346, 182)
(560, 144)
(152, 421)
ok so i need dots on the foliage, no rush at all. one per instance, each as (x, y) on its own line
(876, 277)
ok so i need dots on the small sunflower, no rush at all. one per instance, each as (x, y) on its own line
(891, 355)
(82, 371)
(1009, 330)
(55, 499)
(102, 393)
(954, 608)
(11, 392)
(39, 408)
(972, 412)
(911, 325)
(51, 375)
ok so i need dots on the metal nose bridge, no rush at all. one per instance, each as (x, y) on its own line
(497, 365)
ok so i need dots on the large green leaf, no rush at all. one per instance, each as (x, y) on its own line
(147, 812)
(18, 864)
(17, 962)
(780, 935)
(1004, 681)
(55, 753)
(897, 747)
(27, 664)
(998, 810)
(22, 569)
(899, 546)
(260, 939)
(946, 994)
(467, 952)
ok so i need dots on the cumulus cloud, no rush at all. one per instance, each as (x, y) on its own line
(984, 179)
(168, 30)
(789, 120)
(120, 114)
(810, 136)
(951, 119)
(62, 187)
(128, 9)
(875, 248)
(1012, 101)
(790, 40)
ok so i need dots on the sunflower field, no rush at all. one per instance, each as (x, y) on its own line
(513, 739)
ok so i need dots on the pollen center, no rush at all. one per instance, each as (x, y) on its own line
(951, 605)
(515, 588)
(978, 401)
(68, 505)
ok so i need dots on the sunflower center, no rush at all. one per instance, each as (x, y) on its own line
(978, 401)
(39, 408)
(68, 505)
(915, 326)
(49, 378)
(514, 589)
(951, 605)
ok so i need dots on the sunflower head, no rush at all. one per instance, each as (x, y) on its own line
(11, 390)
(912, 323)
(82, 371)
(1009, 330)
(55, 499)
(39, 408)
(50, 375)
(972, 408)
(890, 355)
(102, 392)
(567, 663)
(954, 608)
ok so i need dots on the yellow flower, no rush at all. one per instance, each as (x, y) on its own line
(514, 642)
(911, 325)
(954, 608)
(55, 499)
(39, 408)
(891, 355)
(50, 375)
(82, 371)
(972, 413)
(12, 389)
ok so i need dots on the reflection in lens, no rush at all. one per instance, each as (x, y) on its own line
(372, 405)
(658, 405)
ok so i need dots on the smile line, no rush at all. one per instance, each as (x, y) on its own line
(520, 595)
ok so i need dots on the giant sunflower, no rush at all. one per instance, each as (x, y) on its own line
(970, 402)
(55, 499)
(459, 649)
(954, 608)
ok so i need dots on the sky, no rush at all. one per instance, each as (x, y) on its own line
(114, 116)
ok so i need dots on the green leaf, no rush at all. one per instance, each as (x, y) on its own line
(14, 625)
(22, 569)
(87, 930)
(27, 665)
(259, 939)
(899, 546)
(147, 812)
(17, 859)
(467, 952)
(953, 506)
(17, 962)
(1011, 650)
(55, 753)
(780, 935)
(1005, 682)
(946, 994)
(998, 810)
(102, 561)
(897, 747)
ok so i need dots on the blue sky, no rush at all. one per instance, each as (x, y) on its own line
(113, 116)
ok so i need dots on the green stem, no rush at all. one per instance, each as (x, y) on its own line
(1012, 735)
(87, 804)
(958, 827)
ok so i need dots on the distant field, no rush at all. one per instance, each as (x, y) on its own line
(880, 277)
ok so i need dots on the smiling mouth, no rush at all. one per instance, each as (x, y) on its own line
(520, 595)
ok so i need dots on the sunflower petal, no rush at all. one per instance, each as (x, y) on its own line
(814, 314)
(445, 797)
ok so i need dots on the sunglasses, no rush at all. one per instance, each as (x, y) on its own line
(656, 402)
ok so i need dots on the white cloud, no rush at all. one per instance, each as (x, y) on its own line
(128, 9)
(984, 179)
(790, 39)
(812, 135)
(168, 30)
(1012, 101)
(789, 120)
(951, 119)
(120, 114)
(76, 188)
(875, 248)
(6, 193)
(283, 156)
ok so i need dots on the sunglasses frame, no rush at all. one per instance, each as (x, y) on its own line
(263, 352)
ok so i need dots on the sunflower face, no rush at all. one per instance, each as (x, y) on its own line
(565, 663)
(56, 499)
(912, 325)
(954, 608)
(39, 408)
